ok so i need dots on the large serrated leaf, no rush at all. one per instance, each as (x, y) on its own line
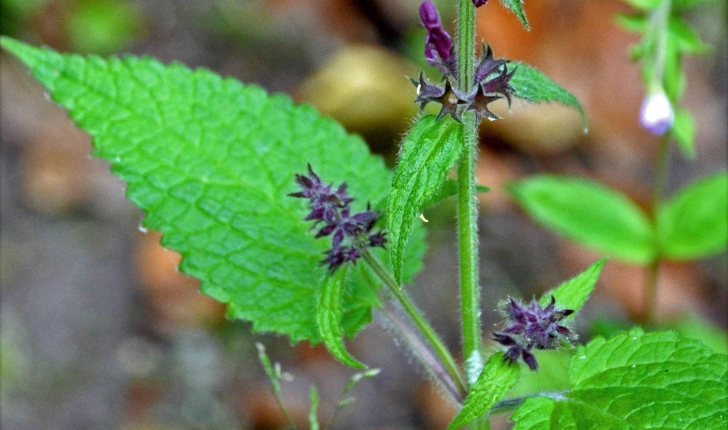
(694, 223)
(328, 317)
(588, 213)
(211, 161)
(572, 294)
(531, 84)
(495, 381)
(428, 151)
(637, 381)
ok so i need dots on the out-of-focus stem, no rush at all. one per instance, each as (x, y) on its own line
(450, 377)
(394, 322)
(662, 159)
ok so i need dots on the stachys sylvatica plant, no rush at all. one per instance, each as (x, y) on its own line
(298, 228)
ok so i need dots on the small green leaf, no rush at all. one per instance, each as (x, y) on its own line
(495, 381)
(427, 153)
(516, 7)
(694, 223)
(632, 23)
(643, 4)
(680, 6)
(637, 381)
(532, 85)
(687, 39)
(449, 189)
(683, 130)
(588, 213)
(328, 317)
(573, 293)
(313, 422)
(211, 162)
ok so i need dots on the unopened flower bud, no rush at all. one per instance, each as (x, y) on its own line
(429, 16)
(656, 114)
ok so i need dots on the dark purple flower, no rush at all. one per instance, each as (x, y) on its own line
(479, 3)
(331, 213)
(532, 326)
(491, 83)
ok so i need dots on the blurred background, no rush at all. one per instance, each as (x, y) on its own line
(98, 330)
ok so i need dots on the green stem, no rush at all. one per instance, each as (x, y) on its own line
(422, 325)
(466, 45)
(660, 21)
(662, 161)
(467, 209)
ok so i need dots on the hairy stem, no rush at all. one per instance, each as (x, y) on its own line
(467, 209)
(451, 378)
(466, 39)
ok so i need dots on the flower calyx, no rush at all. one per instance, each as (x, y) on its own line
(453, 103)
(532, 326)
(330, 210)
(491, 83)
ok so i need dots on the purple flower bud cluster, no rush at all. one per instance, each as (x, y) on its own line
(490, 80)
(531, 327)
(438, 43)
(331, 214)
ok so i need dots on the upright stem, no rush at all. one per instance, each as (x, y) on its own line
(426, 331)
(466, 39)
(467, 209)
(662, 159)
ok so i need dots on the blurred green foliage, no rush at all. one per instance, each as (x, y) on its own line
(102, 26)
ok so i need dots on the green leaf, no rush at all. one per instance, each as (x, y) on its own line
(693, 223)
(552, 375)
(211, 162)
(573, 293)
(696, 327)
(495, 381)
(532, 85)
(428, 151)
(685, 37)
(516, 7)
(588, 213)
(637, 381)
(449, 189)
(643, 4)
(632, 23)
(313, 423)
(683, 130)
(328, 317)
